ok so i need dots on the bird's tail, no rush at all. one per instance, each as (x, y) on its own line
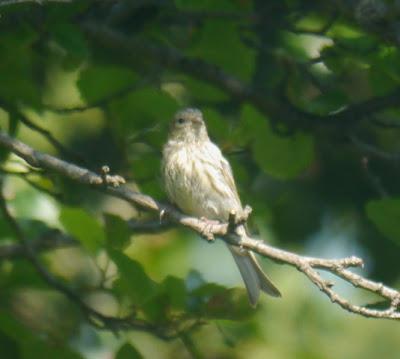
(253, 276)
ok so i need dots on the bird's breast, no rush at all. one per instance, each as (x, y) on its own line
(191, 181)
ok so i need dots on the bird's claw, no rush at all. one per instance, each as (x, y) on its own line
(207, 229)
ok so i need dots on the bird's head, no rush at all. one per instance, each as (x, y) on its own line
(188, 126)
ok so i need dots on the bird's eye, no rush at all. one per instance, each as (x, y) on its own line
(180, 120)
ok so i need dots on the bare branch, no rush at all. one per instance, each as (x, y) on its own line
(48, 241)
(306, 265)
(374, 151)
(12, 109)
(38, 2)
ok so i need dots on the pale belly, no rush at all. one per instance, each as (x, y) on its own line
(197, 187)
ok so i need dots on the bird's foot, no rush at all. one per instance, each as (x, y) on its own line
(207, 230)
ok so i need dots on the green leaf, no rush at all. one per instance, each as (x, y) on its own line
(176, 292)
(83, 226)
(384, 74)
(281, 157)
(9, 347)
(133, 280)
(212, 5)
(30, 345)
(21, 274)
(6, 231)
(232, 304)
(18, 72)
(204, 91)
(117, 231)
(216, 125)
(217, 302)
(143, 109)
(60, 14)
(70, 38)
(327, 102)
(215, 34)
(99, 82)
(34, 349)
(385, 214)
(128, 351)
(12, 328)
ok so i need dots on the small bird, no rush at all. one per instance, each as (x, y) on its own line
(199, 180)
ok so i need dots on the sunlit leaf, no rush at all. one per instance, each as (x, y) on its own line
(100, 82)
(132, 278)
(117, 231)
(281, 157)
(83, 226)
(217, 302)
(17, 67)
(70, 38)
(176, 292)
(143, 109)
(236, 58)
(128, 351)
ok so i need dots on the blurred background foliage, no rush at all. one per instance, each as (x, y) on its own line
(302, 97)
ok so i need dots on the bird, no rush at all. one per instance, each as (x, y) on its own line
(198, 179)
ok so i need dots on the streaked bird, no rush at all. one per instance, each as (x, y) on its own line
(199, 180)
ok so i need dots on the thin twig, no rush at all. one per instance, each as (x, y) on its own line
(50, 240)
(24, 175)
(64, 151)
(38, 2)
(374, 151)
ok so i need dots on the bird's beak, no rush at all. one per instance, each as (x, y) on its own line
(197, 121)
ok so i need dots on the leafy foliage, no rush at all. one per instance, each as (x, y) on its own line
(302, 97)
(385, 214)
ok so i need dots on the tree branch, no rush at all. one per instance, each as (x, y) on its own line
(64, 151)
(96, 318)
(374, 151)
(50, 240)
(307, 265)
(38, 2)
(273, 107)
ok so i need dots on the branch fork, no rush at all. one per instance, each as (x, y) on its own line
(228, 232)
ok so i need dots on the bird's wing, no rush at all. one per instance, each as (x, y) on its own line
(226, 172)
(220, 172)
